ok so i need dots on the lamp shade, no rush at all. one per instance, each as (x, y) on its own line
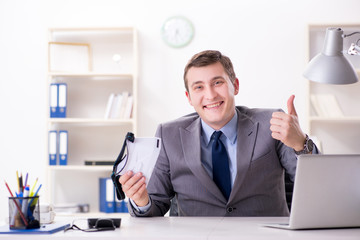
(330, 66)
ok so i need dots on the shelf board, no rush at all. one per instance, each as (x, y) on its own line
(91, 75)
(92, 29)
(337, 119)
(91, 120)
(80, 168)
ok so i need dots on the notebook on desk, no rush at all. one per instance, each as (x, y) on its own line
(44, 229)
(326, 193)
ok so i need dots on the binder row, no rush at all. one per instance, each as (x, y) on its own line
(58, 147)
(57, 100)
(119, 105)
(108, 200)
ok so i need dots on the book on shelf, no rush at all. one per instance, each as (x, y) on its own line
(326, 105)
(129, 107)
(119, 106)
(99, 162)
(109, 106)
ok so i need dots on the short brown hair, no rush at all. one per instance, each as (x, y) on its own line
(209, 57)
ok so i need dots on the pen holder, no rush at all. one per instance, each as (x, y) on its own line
(24, 212)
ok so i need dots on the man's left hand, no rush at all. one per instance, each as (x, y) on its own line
(286, 128)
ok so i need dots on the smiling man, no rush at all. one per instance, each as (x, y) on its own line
(222, 160)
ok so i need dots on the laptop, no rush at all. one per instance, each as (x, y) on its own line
(326, 193)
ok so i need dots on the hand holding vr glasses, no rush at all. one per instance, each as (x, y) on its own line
(134, 187)
(133, 168)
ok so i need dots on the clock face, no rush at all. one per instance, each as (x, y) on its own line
(177, 31)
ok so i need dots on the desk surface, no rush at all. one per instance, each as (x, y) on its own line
(197, 228)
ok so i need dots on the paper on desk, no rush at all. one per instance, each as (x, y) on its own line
(141, 156)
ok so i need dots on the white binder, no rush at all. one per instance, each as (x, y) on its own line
(63, 147)
(53, 100)
(52, 147)
(62, 101)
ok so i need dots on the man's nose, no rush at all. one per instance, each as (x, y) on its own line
(210, 93)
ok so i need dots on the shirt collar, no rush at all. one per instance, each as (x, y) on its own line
(229, 130)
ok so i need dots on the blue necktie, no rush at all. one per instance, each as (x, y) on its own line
(220, 161)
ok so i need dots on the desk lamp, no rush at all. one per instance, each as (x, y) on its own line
(330, 66)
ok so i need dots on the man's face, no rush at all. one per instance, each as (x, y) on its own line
(212, 94)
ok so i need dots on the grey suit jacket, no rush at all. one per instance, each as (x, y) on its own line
(259, 184)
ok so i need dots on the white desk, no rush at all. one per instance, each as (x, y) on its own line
(184, 228)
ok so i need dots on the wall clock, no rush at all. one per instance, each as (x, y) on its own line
(177, 31)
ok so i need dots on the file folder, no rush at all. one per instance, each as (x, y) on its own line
(107, 195)
(62, 100)
(52, 147)
(53, 100)
(121, 205)
(63, 147)
(44, 229)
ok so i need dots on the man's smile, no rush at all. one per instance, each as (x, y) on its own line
(213, 105)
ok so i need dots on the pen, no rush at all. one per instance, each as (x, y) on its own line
(32, 189)
(36, 193)
(21, 183)
(20, 195)
(17, 205)
(25, 201)
(17, 178)
(26, 178)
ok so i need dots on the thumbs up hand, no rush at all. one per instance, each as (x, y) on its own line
(286, 128)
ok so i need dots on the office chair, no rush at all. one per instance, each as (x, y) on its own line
(289, 188)
(174, 208)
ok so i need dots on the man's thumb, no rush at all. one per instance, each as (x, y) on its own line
(290, 105)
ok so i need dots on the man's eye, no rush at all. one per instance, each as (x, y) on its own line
(218, 82)
(197, 87)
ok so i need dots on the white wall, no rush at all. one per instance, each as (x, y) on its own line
(265, 39)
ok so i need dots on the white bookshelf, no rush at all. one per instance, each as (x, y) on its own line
(338, 134)
(91, 136)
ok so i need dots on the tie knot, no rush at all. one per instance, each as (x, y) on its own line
(217, 135)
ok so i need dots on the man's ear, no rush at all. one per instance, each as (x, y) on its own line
(188, 97)
(236, 86)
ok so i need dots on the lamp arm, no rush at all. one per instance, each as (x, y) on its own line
(348, 35)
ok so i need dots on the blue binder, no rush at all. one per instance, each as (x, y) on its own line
(63, 147)
(62, 100)
(124, 206)
(52, 147)
(53, 100)
(121, 205)
(58, 100)
(107, 195)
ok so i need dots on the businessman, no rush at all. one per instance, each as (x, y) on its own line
(222, 160)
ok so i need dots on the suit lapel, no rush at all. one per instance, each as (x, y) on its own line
(246, 137)
(190, 139)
